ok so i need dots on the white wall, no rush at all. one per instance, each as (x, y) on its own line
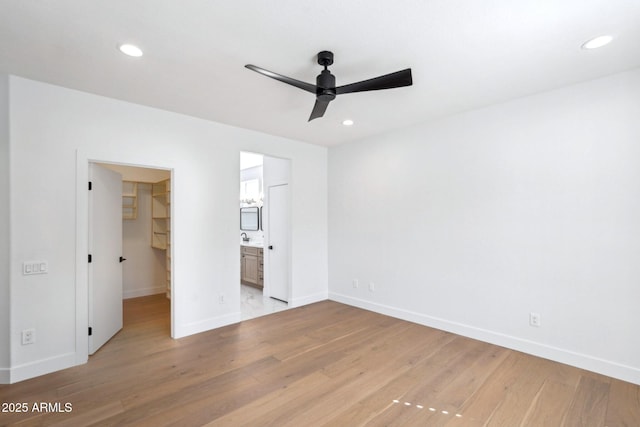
(144, 272)
(248, 174)
(472, 222)
(276, 171)
(4, 228)
(254, 172)
(55, 132)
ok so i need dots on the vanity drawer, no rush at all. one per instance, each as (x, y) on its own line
(251, 250)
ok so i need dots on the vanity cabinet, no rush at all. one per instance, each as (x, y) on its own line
(252, 266)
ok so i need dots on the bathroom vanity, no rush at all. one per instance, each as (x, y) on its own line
(252, 265)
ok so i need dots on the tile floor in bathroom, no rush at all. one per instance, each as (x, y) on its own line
(253, 304)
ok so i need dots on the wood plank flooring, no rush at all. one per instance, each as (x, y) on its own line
(326, 364)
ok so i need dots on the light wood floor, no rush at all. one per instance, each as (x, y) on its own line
(325, 364)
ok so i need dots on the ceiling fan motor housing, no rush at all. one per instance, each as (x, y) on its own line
(326, 83)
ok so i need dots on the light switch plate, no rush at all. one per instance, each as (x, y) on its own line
(35, 267)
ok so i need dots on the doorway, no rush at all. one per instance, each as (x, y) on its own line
(136, 216)
(265, 276)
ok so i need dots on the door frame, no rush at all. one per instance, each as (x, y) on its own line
(82, 246)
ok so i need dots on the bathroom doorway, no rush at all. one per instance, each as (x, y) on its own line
(265, 272)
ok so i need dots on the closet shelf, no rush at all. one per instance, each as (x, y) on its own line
(161, 223)
(129, 200)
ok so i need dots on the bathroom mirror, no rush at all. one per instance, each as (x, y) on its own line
(249, 219)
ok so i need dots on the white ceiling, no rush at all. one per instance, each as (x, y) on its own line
(464, 54)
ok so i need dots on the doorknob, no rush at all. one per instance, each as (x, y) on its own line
(270, 247)
(122, 259)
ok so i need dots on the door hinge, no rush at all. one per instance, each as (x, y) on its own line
(90, 258)
(90, 331)
(90, 186)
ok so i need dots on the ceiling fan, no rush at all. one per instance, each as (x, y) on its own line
(325, 88)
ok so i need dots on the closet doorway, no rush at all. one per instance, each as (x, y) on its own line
(144, 210)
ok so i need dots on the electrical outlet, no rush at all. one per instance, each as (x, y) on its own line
(221, 299)
(355, 283)
(28, 336)
(372, 287)
(534, 319)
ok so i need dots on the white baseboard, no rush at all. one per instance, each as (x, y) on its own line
(228, 319)
(583, 361)
(42, 367)
(182, 331)
(308, 299)
(143, 292)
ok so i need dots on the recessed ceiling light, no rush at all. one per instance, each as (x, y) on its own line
(131, 50)
(348, 122)
(597, 42)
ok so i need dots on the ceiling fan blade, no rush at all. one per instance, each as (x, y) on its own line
(319, 108)
(284, 79)
(388, 81)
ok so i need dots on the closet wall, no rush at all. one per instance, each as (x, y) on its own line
(145, 270)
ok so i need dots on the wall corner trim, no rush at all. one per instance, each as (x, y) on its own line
(207, 324)
(41, 367)
(308, 299)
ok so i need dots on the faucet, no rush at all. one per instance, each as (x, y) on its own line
(244, 236)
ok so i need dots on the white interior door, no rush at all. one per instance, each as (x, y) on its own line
(105, 247)
(278, 245)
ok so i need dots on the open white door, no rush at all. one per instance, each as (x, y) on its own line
(278, 217)
(105, 247)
